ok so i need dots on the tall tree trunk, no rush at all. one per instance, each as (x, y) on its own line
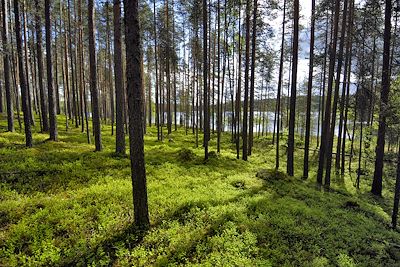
(279, 93)
(156, 68)
(328, 105)
(246, 84)
(136, 120)
(73, 76)
(219, 122)
(93, 78)
(22, 78)
(309, 93)
(205, 80)
(27, 71)
(50, 90)
(6, 65)
(380, 147)
(39, 54)
(290, 154)
(119, 91)
(252, 78)
(336, 97)
(168, 72)
(239, 87)
(346, 81)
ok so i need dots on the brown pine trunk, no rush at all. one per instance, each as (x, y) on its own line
(328, 105)
(309, 94)
(205, 82)
(246, 84)
(380, 147)
(119, 91)
(93, 78)
(50, 90)
(279, 93)
(336, 98)
(290, 154)
(252, 78)
(39, 54)
(136, 120)
(6, 65)
(22, 78)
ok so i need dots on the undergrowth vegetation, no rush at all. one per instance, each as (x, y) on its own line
(61, 204)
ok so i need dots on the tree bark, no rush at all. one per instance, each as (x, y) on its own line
(309, 93)
(246, 84)
(6, 65)
(290, 154)
(119, 92)
(39, 55)
(136, 120)
(93, 78)
(22, 78)
(380, 147)
(51, 96)
(252, 77)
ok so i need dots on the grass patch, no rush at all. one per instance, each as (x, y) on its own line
(61, 204)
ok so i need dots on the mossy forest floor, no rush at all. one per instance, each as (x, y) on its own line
(61, 204)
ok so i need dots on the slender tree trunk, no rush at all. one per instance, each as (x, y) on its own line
(119, 91)
(93, 78)
(50, 90)
(22, 78)
(56, 84)
(74, 98)
(346, 81)
(326, 123)
(309, 93)
(246, 84)
(380, 147)
(39, 54)
(168, 72)
(252, 78)
(6, 65)
(27, 71)
(239, 86)
(336, 97)
(290, 154)
(278, 97)
(219, 122)
(205, 80)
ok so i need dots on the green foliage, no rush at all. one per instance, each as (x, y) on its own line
(63, 204)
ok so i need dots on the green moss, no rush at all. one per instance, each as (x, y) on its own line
(63, 204)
